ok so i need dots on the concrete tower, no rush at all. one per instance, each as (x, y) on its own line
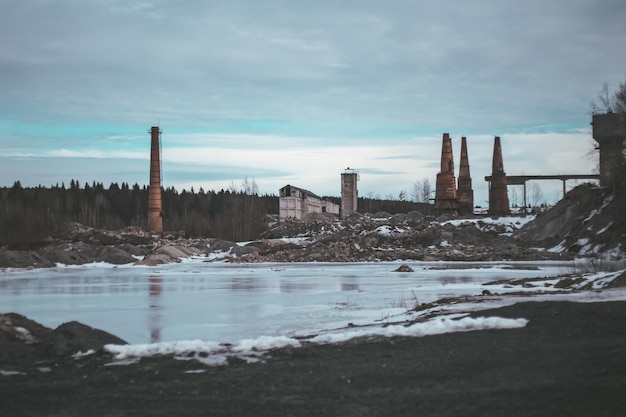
(155, 218)
(349, 192)
(445, 187)
(465, 192)
(609, 130)
(498, 192)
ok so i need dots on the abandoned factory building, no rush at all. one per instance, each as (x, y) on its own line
(297, 203)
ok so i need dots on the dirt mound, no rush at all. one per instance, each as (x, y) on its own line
(73, 337)
(587, 221)
(27, 346)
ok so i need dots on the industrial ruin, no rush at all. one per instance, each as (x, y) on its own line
(498, 192)
(465, 192)
(445, 186)
(155, 215)
(609, 130)
(297, 203)
(452, 197)
(349, 192)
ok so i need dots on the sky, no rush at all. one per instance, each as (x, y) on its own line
(284, 92)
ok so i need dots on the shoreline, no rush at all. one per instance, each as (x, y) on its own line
(568, 360)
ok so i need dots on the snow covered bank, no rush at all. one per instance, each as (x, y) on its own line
(250, 350)
(505, 225)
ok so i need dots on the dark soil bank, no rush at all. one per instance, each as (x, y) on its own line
(570, 360)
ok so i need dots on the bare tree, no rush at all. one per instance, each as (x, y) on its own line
(619, 99)
(615, 103)
(514, 197)
(421, 190)
(416, 192)
(536, 195)
(249, 187)
(426, 190)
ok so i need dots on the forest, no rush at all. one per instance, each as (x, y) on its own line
(29, 216)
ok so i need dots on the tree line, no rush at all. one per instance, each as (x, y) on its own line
(28, 216)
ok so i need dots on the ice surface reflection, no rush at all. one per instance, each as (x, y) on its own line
(156, 288)
(229, 302)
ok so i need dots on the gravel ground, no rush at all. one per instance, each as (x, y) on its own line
(570, 360)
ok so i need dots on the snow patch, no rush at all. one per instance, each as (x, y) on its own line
(251, 350)
(387, 230)
(264, 343)
(10, 373)
(79, 355)
(432, 327)
(209, 353)
(485, 224)
(558, 248)
(604, 229)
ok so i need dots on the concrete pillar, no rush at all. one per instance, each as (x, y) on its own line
(155, 218)
(349, 192)
(498, 192)
(465, 192)
(609, 130)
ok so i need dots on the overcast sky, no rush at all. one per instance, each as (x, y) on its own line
(296, 91)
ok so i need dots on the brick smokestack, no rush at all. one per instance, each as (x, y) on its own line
(498, 192)
(445, 187)
(465, 192)
(155, 218)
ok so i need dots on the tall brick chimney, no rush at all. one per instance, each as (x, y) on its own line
(445, 187)
(155, 218)
(465, 192)
(498, 192)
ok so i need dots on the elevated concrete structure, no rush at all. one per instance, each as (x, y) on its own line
(523, 179)
(609, 130)
(465, 193)
(349, 192)
(445, 187)
(498, 192)
(155, 215)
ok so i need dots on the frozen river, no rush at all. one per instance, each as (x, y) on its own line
(225, 302)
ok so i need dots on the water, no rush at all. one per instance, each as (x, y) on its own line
(228, 302)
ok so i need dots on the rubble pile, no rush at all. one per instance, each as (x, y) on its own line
(384, 237)
(587, 222)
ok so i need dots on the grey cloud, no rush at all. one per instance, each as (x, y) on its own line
(344, 71)
(401, 61)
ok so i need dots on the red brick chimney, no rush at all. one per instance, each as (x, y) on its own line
(445, 187)
(465, 192)
(155, 218)
(498, 192)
